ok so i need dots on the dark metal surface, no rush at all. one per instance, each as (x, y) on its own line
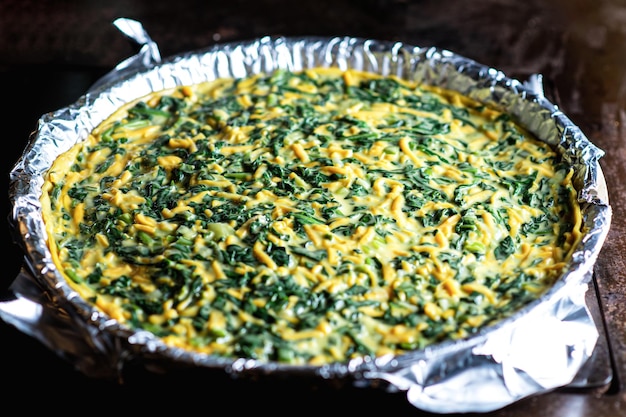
(52, 51)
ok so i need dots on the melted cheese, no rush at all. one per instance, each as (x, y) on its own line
(309, 217)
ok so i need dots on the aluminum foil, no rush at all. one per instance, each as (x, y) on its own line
(538, 349)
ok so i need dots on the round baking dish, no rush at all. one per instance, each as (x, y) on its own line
(503, 357)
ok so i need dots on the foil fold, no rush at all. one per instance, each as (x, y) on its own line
(536, 350)
(543, 350)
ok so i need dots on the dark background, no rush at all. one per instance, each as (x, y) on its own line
(52, 51)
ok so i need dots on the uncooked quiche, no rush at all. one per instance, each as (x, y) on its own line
(310, 217)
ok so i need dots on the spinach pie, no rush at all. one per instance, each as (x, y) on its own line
(310, 217)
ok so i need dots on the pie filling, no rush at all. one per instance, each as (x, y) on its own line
(310, 217)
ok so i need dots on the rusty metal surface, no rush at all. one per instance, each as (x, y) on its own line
(51, 51)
